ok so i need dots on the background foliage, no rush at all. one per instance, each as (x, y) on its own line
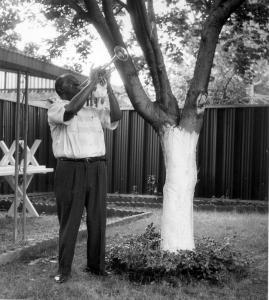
(241, 58)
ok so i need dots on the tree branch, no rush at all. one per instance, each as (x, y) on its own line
(73, 4)
(146, 33)
(97, 19)
(118, 11)
(142, 30)
(153, 38)
(111, 22)
(122, 4)
(231, 40)
(166, 95)
(109, 32)
(219, 14)
(224, 90)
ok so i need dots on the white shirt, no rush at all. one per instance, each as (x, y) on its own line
(83, 135)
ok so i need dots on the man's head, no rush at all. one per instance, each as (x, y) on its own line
(67, 86)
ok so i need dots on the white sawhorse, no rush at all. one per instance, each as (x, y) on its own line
(7, 170)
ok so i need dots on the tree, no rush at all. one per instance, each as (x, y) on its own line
(9, 18)
(178, 130)
(243, 45)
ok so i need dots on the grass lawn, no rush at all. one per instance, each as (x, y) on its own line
(37, 229)
(247, 232)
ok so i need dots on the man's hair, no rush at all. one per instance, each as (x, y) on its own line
(59, 83)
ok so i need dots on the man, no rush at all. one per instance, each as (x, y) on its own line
(80, 176)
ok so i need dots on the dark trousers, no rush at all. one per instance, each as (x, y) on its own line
(79, 185)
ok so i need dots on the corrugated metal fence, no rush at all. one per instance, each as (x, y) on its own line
(232, 152)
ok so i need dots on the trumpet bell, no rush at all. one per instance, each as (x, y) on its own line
(120, 53)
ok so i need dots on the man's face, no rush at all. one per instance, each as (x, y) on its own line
(71, 86)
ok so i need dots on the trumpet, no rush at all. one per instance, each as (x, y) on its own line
(120, 53)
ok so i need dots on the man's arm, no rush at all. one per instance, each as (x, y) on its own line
(77, 102)
(115, 112)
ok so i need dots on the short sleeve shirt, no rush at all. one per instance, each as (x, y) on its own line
(83, 135)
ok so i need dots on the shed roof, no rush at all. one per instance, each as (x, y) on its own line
(16, 61)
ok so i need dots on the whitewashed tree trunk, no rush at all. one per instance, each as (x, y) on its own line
(179, 148)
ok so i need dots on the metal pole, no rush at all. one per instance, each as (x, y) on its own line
(5, 81)
(25, 133)
(17, 136)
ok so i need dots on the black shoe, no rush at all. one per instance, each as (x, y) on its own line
(96, 272)
(61, 278)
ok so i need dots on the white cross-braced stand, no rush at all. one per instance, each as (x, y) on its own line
(7, 170)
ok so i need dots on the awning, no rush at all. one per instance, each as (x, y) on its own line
(16, 61)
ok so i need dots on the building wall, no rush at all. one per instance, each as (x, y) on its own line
(232, 153)
(8, 82)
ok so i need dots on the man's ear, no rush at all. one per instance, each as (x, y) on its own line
(59, 90)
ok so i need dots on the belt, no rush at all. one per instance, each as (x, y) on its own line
(85, 159)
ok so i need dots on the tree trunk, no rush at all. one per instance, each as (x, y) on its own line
(250, 92)
(179, 149)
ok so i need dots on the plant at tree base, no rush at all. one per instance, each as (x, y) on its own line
(141, 258)
(178, 130)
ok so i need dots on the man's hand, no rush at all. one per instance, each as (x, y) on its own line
(98, 75)
(77, 102)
